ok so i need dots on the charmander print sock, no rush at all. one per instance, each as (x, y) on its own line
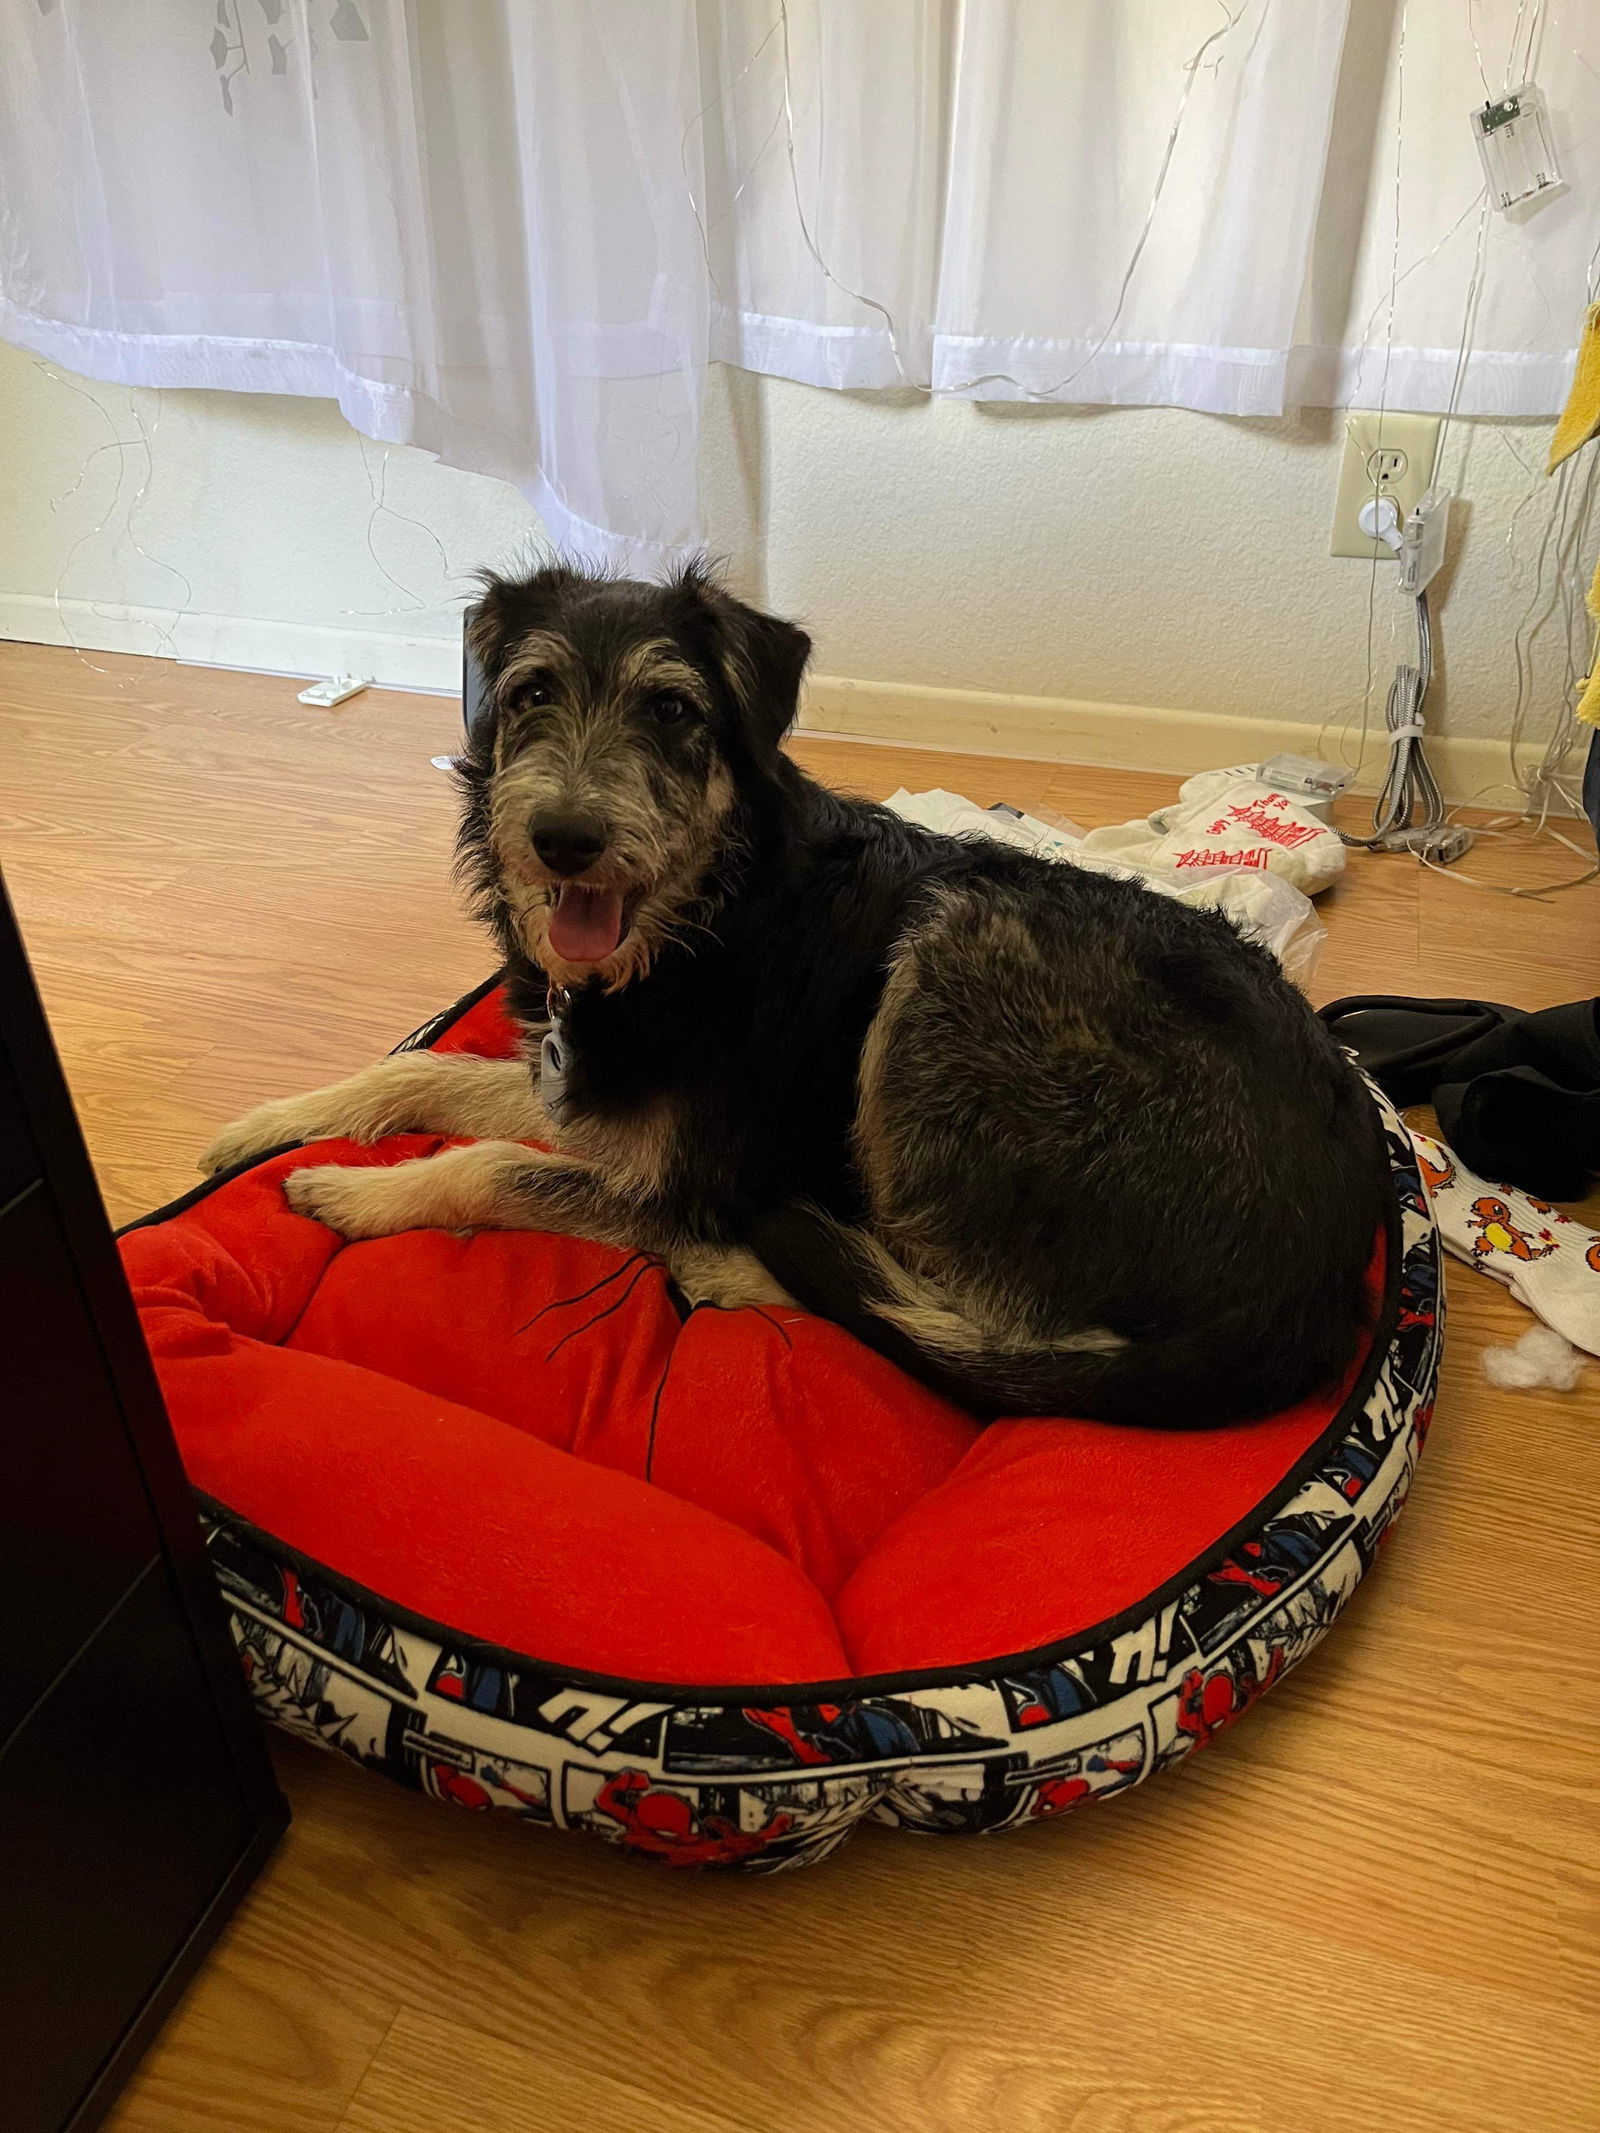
(1548, 1261)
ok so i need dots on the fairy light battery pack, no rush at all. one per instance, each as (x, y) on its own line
(1516, 148)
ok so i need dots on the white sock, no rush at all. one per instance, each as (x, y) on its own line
(1548, 1261)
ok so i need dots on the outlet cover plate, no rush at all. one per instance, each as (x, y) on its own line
(1384, 455)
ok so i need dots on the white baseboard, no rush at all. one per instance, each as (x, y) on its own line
(1059, 729)
(1051, 729)
(388, 657)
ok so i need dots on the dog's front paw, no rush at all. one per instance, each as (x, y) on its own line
(268, 1126)
(356, 1203)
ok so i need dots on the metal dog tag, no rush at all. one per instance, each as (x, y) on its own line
(553, 1075)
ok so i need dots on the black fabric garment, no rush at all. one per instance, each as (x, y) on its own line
(1591, 784)
(1518, 1095)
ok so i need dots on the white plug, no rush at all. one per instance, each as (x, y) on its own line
(1422, 545)
(1379, 520)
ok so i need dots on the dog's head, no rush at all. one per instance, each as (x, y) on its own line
(624, 726)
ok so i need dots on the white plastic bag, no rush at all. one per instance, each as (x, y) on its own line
(1229, 819)
(959, 817)
(1259, 902)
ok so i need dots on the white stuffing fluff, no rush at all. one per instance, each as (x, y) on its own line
(1541, 1357)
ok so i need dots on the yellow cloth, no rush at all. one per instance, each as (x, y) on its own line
(1589, 701)
(1580, 419)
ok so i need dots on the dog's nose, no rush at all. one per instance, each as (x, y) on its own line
(568, 844)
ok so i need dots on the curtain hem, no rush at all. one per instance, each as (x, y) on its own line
(1209, 380)
(1218, 381)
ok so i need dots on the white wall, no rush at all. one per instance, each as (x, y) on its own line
(1137, 557)
(247, 509)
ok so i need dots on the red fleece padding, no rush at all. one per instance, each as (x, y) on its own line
(514, 1435)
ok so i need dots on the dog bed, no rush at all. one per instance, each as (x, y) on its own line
(495, 1515)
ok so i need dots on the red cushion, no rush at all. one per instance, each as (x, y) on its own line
(514, 1434)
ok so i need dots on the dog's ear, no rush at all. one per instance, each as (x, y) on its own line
(507, 608)
(762, 659)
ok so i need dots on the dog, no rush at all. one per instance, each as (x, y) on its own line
(1053, 1143)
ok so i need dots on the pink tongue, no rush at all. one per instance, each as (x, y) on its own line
(586, 924)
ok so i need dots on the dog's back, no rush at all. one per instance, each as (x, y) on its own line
(1113, 1165)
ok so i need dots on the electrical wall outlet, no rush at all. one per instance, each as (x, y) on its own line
(1384, 455)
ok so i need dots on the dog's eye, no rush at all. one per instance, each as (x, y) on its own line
(668, 710)
(532, 694)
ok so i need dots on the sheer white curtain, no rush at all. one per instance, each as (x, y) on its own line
(969, 183)
(1420, 295)
(466, 220)
(515, 231)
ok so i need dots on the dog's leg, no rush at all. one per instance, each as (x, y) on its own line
(413, 1092)
(491, 1185)
(725, 1275)
(500, 1185)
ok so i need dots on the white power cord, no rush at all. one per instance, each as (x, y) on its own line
(1410, 813)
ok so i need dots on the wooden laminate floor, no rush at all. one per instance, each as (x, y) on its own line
(1374, 1906)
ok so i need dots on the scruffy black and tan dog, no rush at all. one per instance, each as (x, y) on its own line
(1055, 1143)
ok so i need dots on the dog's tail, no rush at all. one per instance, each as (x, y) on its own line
(846, 1275)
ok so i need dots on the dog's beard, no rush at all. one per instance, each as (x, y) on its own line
(647, 920)
(611, 930)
